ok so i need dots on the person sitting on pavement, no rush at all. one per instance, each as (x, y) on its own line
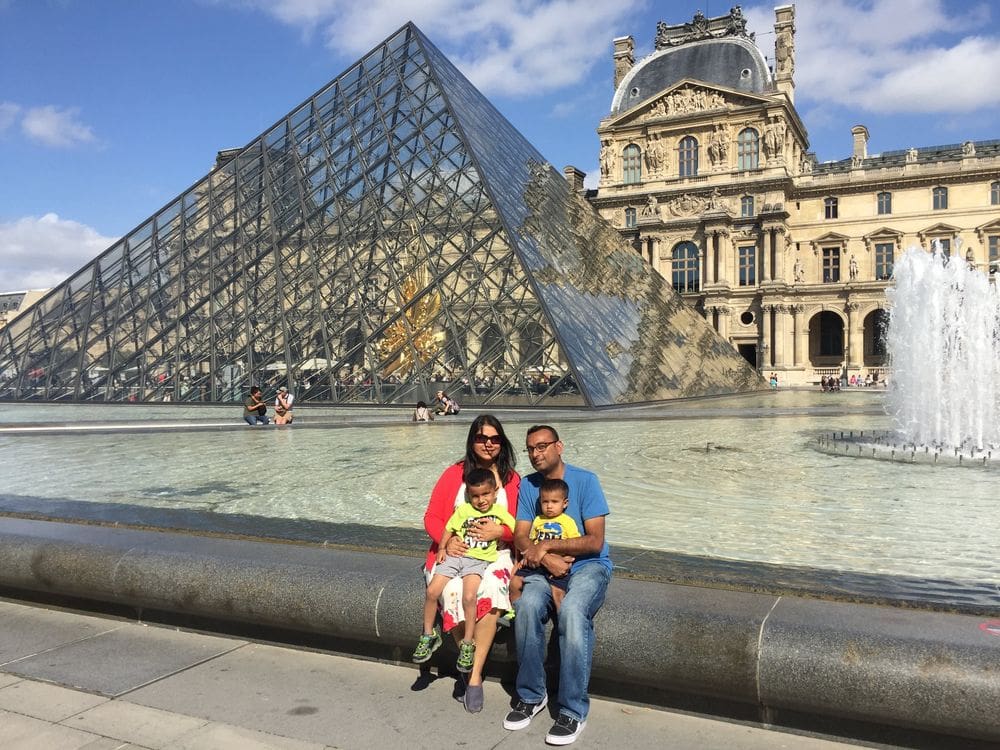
(283, 406)
(585, 562)
(422, 413)
(445, 404)
(254, 408)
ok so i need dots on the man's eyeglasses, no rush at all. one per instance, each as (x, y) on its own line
(539, 447)
(487, 439)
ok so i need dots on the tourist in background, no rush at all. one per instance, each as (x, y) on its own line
(283, 406)
(254, 408)
(422, 413)
(486, 447)
(586, 562)
(445, 404)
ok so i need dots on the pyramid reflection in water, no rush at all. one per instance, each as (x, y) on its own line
(392, 236)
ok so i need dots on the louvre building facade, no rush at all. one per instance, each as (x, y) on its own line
(392, 236)
(706, 171)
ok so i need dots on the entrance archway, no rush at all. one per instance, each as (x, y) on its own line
(826, 340)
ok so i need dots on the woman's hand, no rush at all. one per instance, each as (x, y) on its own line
(486, 530)
(456, 547)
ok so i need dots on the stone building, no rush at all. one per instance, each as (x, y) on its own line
(706, 169)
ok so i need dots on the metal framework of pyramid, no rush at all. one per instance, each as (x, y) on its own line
(392, 236)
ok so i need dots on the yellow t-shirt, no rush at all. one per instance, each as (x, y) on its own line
(560, 527)
(463, 517)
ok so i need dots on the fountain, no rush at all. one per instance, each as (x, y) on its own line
(944, 344)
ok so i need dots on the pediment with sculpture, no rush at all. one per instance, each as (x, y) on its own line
(687, 97)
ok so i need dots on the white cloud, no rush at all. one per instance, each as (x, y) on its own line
(513, 47)
(57, 127)
(8, 114)
(41, 252)
(593, 179)
(891, 56)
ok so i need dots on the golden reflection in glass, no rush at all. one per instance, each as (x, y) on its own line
(417, 327)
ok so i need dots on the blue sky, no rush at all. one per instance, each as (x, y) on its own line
(110, 108)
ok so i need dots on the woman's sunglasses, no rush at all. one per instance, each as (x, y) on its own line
(488, 439)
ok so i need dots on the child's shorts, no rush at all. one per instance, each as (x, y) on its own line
(460, 567)
(560, 583)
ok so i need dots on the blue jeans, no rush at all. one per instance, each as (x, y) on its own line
(588, 585)
(255, 419)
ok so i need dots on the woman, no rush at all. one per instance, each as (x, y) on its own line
(283, 406)
(486, 447)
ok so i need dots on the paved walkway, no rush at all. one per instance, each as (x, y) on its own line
(70, 680)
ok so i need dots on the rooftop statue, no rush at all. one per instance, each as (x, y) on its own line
(700, 27)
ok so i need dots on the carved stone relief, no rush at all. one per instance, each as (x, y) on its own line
(686, 99)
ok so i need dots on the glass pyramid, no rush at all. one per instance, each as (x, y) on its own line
(392, 236)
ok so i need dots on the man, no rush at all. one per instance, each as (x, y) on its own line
(254, 408)
(585, 561)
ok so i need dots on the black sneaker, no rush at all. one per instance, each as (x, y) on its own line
(565, 730)
(522, 713)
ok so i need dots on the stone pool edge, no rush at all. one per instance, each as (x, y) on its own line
(776, 655)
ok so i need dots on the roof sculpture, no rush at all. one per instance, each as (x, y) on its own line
(391, 236)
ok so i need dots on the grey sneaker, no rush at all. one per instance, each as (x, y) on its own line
(565, 730)
(522, 713)
(473, 698)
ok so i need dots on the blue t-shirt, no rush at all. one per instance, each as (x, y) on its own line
(586, 500)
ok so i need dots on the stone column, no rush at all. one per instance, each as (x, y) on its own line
(705, 260)
(779, 254)
(797, 334)
(724, 313)
(767, 330)
(715, 257)
(778, 334)
(854, 340)
(765, 274)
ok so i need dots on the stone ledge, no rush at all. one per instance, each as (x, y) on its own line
(928, 671)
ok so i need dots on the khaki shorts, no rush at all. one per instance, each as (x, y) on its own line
(460, 567)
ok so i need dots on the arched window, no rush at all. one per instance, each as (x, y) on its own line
(830, 208)
(940, 198)
(831, 334)
(631, 165)
(630, 218)
(687, 156)
(746, 206)
(684, 267)
(491, 349)
(995, 194)
(531, 350)
(747, 149)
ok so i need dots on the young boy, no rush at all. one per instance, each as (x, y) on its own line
(553, 523)
(481, 497)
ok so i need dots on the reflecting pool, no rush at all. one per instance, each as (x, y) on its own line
(736, 479)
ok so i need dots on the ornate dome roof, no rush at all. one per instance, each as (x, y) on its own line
(733, 62)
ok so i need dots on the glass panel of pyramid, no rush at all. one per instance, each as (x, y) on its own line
(391, 237)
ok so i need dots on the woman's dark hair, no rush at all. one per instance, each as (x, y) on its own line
(506, 459)
(421, 405)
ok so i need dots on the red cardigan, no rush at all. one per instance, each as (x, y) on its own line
(442, 505)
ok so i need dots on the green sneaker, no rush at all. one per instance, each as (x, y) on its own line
(466, 653)
(426, 646)
(506, 620)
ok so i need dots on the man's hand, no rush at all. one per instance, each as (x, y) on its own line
(534, 553)
(557, 565)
